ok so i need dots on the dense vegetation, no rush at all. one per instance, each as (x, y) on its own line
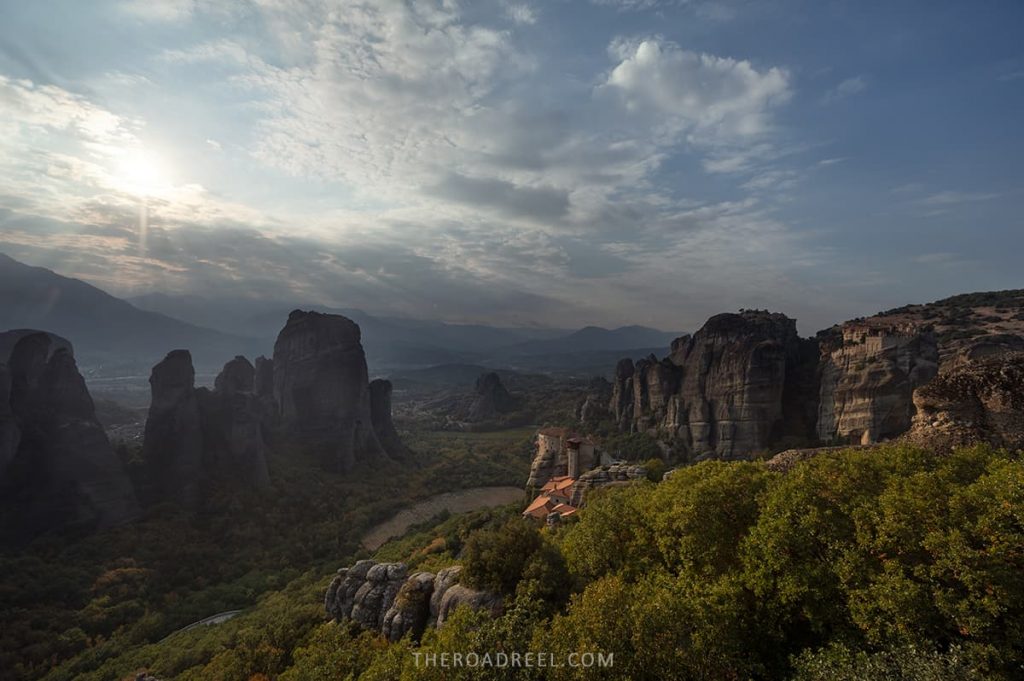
(70, 604)
(887, 564)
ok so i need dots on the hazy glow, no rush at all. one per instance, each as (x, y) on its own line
(140, 172)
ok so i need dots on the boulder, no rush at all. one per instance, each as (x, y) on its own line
(982, 401)
(445, 579)
(321, 388)
(59, 468)
(382, 597)
(459, 595)
(410, 611)
(617, 474)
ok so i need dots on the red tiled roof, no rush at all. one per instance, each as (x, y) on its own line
(541, 504)
(564, 509)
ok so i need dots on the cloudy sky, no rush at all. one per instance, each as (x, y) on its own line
(547, 162)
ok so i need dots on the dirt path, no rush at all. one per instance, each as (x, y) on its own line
(460, 501)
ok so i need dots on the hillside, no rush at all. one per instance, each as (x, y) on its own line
(110, 336)
(597, 339)
(985, 321)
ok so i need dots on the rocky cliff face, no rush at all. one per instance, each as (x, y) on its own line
(383, 426)
(490, 399)
(594, 407)
(234, 442)
(550, 457)
(868, 373)
(384, 597)
(193, 433)
(978, 402)
(322, 389)
(57, 467)
(725, 392)
(173, 440)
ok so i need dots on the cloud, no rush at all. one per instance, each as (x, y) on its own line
(935, 258)
(714, 98)
(521, 14)
(542, 203)
(950, 198)
(172, 11)
(445, 169)
(847, 88)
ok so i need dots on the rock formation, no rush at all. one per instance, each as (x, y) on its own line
(173, 441)
(233, 425)
(594, 407)
(322, 388)
(383, 597)
(490, 399)
(193, 433)
(559, 451)
(611, 475)
(57, 467)
(237, 376)
(868, 374)
(978, 402)
(721, 393)
(380, 415)
(9, 433)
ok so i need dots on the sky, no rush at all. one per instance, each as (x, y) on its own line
(519, 162)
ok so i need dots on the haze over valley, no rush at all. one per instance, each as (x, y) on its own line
(410, 340)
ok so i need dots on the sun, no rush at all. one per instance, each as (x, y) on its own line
(140, 172)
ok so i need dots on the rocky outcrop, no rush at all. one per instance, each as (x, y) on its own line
(380, 415)
(722, 392)
(193, 433)
(57, 467)
(978, 402)
(594, 407)
(550, 456)
(786, 460)
(322, 389)
(173, 441)
(867, 377)
(410, 611)
(490, 399)
(621, 406)
(237, 376)
(9, 433)
(614, 474)
(382, 597)
(233, 417)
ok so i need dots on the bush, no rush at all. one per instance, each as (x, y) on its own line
(495, 560)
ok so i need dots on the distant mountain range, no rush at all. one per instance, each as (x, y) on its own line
(110, 335)
(127, 337)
